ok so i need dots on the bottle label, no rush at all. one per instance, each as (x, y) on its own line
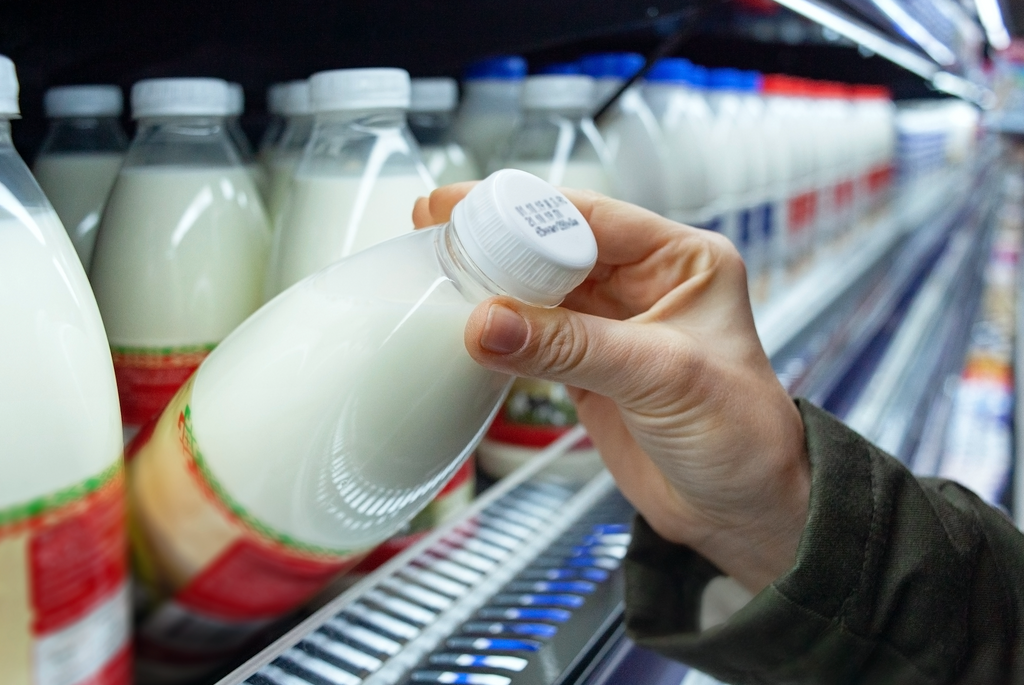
(801, 214)
(64, 605)
(535, 414)
(148, 377)
(212, 574)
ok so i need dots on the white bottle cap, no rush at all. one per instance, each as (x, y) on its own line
(526, 236)
(8, 88)
(558, 91)
(296, 101)
(346, 89)
(180, 97)
(83, 101)
(236, 99)
(433, 95)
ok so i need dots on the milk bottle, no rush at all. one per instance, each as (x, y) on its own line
(431, 108)
(236, 107)
(334, 414)
(276, 95)
(492, 90)
(182, 245)
(64, 604)
(636, 146)
(556, 139)
(672, 89)
(286, 154)
(80, 157)
(358, 178)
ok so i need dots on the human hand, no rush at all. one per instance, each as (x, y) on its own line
(659, 350)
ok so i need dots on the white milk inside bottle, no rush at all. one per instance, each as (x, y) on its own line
(431, 109)
(276, 95)
(673, 91)
(64, 601)
(358, 178)
(236, 108)
(182, 245)
(335, 413)
(556, 139)
(286, 154)
(490, 110)
(636, 146)
(80, 157)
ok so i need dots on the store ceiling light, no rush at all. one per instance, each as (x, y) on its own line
(863, 36)
(991, 16)
(916, 32)
(962, 88)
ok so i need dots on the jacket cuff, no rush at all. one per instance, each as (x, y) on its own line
(806, 621)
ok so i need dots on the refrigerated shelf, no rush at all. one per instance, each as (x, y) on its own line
(535, 530)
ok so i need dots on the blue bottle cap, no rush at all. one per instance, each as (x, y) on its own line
(619, 65)
(506, 67)
(726, 79)
(670, 70)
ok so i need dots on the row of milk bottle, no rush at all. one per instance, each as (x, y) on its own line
(314, 430)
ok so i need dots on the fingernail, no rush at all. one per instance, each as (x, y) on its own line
(505, 331)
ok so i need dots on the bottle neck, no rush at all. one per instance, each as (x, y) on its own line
(5, 133)
(474, 285)
(85, 135)
(182, 140)
(430, 128)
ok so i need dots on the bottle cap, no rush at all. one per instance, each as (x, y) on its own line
(8, 88)
(726, 79)
(504, 67)
(296, 98)
(180, 97)
(616, 65)
(671, 70)
(558, 91)
(526, 236)
(276, 95)
(433, 95)
(236, 99)
(560, 68)
(83, 101)
(347, 89)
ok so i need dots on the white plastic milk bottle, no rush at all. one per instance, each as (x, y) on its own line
(492, 91)
(276, 120)
(285, 155)
(556, 139)
(80, 157)
(64, 601)
(431, 109)
(671, 90)
(358, 178)
(182, 246)
(636, 146)
(335, 413)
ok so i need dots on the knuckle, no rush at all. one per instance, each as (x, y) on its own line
(565, 347)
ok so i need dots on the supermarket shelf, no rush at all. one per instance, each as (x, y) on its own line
(781, 322)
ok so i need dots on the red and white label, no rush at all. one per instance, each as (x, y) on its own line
(64, 602)
(147, 380)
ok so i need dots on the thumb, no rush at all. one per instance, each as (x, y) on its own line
(619, 359)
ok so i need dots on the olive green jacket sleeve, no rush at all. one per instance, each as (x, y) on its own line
(897, 580)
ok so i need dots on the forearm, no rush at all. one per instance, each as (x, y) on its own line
(896, 580)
